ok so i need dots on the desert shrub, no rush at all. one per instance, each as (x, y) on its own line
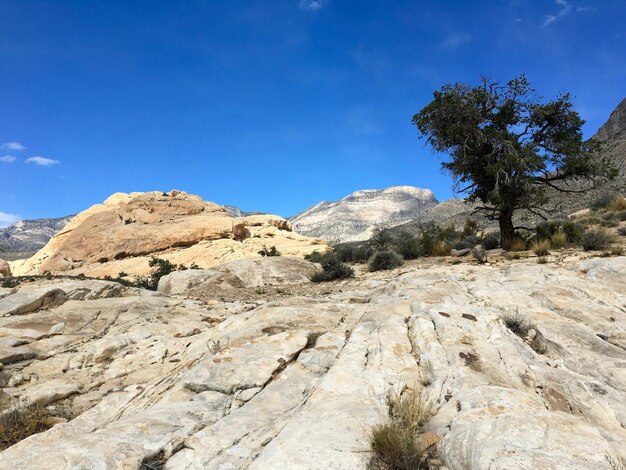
(271, 251)
(518, 323)
(353, 253)
(618, 203)
(558, 239)
(469, 228)
(596, 239)
(163, 268)
(479, 253)
(490, 241)
(314, 257)
(609, 223)
(622, 231)
(542, 260)
(602, 201)
(540, 247)
(22, 419)
(382, 238)
(573, 230)
(517, 245)
(381, 260)
(332, 269)
(469, 241)
(153, 462)
(407, 245)
(441, 248)
(395, 443)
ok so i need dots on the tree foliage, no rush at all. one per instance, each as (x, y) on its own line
(507, 146)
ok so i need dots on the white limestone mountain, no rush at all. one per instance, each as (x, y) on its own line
(353, 217)
(25, 237)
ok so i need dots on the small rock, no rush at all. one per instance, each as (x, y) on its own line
(427, 440)
(16, 380)
(5, 269)
(532, 333)
(57, 329)
(460, 253)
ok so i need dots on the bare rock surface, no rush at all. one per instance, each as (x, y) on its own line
(121, 234)
(298, 381)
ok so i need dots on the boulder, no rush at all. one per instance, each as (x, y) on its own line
(5, 269)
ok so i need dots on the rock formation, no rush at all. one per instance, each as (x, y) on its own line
(297, 379)
(353, 217)
(121, 235)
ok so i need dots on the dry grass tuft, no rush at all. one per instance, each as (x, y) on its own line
(558, 239)
(518, 245)
(395, 443)
(20, 420)
(441, 249)
(618, 203)
(540, 247)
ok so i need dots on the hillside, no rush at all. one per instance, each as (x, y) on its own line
(353, 217)
(25, 237)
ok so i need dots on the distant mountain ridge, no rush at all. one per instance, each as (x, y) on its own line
(27, 236)
(353, 217)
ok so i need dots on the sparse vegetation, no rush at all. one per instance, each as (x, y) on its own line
(622, 231)
(479, 253)
(572, 230)
(542, 260)
(540, 247)
(558, 239)
(596, 239)
(603, 201)
(522, 326)
(517, 245)
(332, 269)
(22, 419)
(271, 251)
(381, 260)
(395, 443)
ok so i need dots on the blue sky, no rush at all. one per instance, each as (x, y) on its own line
(268, 105)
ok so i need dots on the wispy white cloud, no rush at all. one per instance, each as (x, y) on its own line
(42, 161)
(8, 159)
(454, 40)
(13, 146)
(565, 10)
(313, 5)
(8, 219)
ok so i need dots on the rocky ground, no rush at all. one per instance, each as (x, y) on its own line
(252, 366)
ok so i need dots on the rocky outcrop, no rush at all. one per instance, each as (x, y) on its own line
(354, 217)
(298, 382)
(122, 234)
(5, 269)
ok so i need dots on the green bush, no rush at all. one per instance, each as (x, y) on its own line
(381, 260)
(602, 201)
(164, 267)
(596, 239)
(490, 241)
(332, 269)
(407, 245)
(314, 257)
(271, 251)
(573, 230)
(353, 253)
(622, 231)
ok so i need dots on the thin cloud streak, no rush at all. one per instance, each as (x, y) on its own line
(42, 161)
(313, 5)
(13, 146)
(8, 159)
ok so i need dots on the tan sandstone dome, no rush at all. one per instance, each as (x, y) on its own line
(121, 234)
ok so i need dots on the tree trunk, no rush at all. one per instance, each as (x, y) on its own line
(507, 232)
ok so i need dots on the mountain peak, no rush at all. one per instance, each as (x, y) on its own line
(615, 125)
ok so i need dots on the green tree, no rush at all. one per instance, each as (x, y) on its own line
(507, 147)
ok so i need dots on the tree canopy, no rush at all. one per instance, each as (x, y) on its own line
(507, 146)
